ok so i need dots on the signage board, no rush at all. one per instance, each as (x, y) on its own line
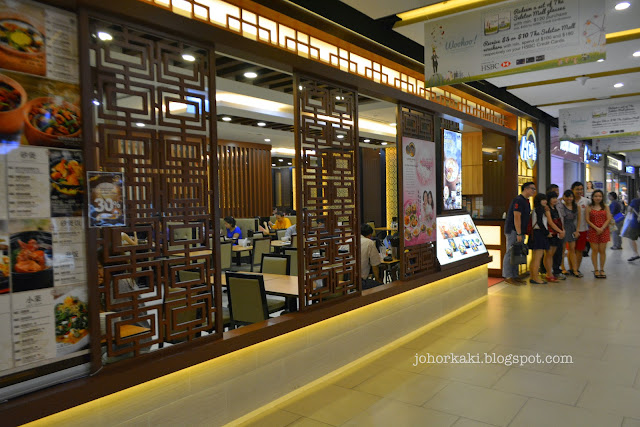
(568, 150)
(106, 199)
(614, 163)
(513, 38)
(630, 169)
(452, 158)
(603, 121)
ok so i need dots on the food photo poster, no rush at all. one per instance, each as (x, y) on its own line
(419, 190)
(452, 180)
(43, 286)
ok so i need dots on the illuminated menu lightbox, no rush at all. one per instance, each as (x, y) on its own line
(457, 239)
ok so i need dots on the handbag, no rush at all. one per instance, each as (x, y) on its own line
(627, 222)
(618, 217)
(519, 253)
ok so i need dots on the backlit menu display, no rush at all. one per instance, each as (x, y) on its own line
(458, 239)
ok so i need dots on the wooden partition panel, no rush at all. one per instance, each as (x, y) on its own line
(244, 174)
(326, 118)
(152, 126)
(419, 259)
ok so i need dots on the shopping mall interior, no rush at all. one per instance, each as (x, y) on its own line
(303, 213)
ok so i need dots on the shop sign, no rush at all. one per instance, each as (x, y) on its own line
(614, 163)
(513, 38)
(568, 150)
(630, 169)
(589, 157)
(570, 147)
(529, 148)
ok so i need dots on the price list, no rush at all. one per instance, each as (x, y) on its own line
(33, 327)
(28, 183)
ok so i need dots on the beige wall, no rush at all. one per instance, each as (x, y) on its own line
(226, 388)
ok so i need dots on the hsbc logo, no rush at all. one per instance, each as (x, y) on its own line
(505, 64)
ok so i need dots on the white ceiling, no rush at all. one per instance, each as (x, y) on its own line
(619, 56)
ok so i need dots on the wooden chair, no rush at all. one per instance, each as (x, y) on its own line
(247, 299)
(275, 264)
(226, 249)
(260, 246)
(293, 263)
(190, 315)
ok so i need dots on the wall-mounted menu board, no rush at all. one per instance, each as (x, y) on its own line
(452, 170)
(43, 290)
(458, 239)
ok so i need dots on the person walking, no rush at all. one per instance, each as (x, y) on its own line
(582, 203)
(598, 219)
(539, 238)
(514, 228)
(616, 210)
(569, 212)
(632, 229)
(556, 241)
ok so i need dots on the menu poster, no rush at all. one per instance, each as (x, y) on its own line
(516, 37)
(28, 182)
(39, 84)
(31, 254)
(458, 239)
(106, 199)
(452, 181)
(419, 187)
(5, 266)
(66, 175)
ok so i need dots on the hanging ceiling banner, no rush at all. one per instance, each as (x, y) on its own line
(515, 38)
(603, 121)
(625, 143)
(633, 158)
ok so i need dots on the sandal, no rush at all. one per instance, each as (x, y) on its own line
(602, 275)
(578, 274)
(533, 282)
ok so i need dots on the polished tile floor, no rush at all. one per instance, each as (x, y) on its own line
(595, 321)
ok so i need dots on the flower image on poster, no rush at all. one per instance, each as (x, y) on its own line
(419, 189)
(452, 180)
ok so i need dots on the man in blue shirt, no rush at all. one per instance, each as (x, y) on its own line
(632, 229)
(515, 227)
(616, 208)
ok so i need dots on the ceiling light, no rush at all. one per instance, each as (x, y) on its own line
(439, 9)
(340, 136)
(367, 140)
(226, 119)
(600, 60)
(499, 148)
(289, 163)
(261, 124)
(636, 54)
(188, 57)
(273, 164)
(140, 125)
(281, 160)
(300, 87)
(623, 5)
(250, 75)
(384, 143)
(617, 85)
(104, 36)
(96, 102)
(267, 140)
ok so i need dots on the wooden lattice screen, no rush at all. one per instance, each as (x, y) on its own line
(326, 155)
(419, 259)
(153, 124)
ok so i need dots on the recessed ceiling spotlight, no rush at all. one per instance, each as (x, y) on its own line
(636, 54)
(600, 60)
(261, 124)
(289, 163)
(140, 125)
(617, 85)
(340, 136)
(300, 88)
(499, 148)
(188, 57)
(96, 102)
(367, 140)
(623, 5)
(251, 75)
(267, 140)
(226, 119)
(384, 143)
(104, 36)
(273, 164)
(281, 160)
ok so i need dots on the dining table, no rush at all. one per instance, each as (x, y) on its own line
(277, 284)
